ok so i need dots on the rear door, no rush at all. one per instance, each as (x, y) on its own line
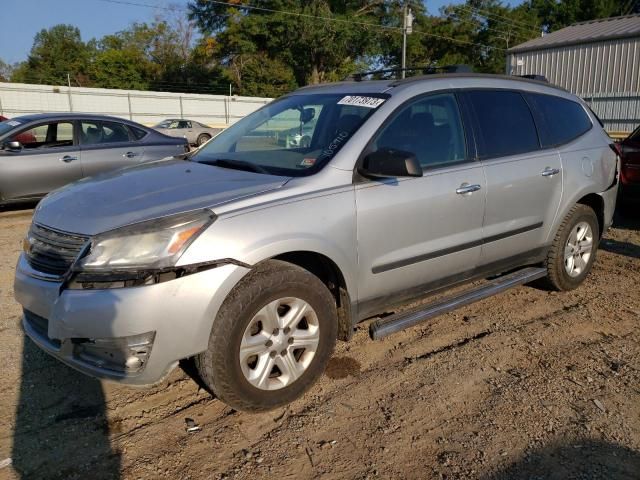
(49, 159)
(417, 233)
(524, 180)
(107, 145)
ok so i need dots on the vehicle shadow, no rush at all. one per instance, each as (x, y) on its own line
(593, 459)
(627, 217)
(61, 425)
(62, 430)
(18, 207)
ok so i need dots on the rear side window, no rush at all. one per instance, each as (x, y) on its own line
(559, 120)
(98, 132)
(138, 133)
(505, 123)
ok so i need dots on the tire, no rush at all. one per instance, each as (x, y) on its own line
(558, 264)
(242, 321)
(202, 139)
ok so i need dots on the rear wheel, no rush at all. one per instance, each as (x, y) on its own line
(573, 251)
(272, 338)
(203, 138)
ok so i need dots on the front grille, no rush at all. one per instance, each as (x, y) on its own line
(52, 252)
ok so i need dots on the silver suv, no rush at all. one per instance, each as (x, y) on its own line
(255, 255)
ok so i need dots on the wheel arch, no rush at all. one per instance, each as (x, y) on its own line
(596, 203)
(330, 274)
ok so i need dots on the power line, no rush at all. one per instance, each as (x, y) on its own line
(517, 34)
(314, 17)
(506, 19)
(523, 31)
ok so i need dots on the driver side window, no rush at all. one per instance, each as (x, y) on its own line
(430, 128)
(48, 135)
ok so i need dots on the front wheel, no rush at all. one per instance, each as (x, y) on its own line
(271, 339)
(573, 251)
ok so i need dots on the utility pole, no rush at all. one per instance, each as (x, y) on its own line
(407, 28)
(69, 91)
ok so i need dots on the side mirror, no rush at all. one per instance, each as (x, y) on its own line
(13, 146)
(386, 162)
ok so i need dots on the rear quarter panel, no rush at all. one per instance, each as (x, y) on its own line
(589, 166)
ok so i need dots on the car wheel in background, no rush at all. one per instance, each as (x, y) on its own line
(203, 138)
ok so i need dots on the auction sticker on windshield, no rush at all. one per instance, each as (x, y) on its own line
(360, 101)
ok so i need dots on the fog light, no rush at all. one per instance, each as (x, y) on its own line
(126, 355)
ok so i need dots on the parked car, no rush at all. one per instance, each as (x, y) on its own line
(630, 166)
(254, 258)
(40, 153)
(196, 133)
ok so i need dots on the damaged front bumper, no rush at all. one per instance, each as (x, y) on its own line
(132, 335)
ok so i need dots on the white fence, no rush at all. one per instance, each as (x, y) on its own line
(144, 107)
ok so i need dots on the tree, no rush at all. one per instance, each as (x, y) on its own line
(55, 53)
(557, 14)
(113, 68)
(318, 42)
(5, 71)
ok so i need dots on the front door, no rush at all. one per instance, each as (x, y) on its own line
(49, 159)
(417, 233)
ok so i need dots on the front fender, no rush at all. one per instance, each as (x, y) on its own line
(325, 225)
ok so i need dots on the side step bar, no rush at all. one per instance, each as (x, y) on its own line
(394, 323)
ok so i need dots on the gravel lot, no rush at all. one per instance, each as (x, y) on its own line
(529, 384)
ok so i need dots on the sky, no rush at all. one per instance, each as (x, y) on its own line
(22, 19)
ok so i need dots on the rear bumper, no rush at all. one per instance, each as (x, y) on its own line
(99, 331)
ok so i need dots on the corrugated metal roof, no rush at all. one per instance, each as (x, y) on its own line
(585, 32)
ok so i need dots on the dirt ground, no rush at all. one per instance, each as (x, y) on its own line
(529, 384)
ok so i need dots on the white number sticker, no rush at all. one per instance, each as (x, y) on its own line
(358, 101)
(13, 123)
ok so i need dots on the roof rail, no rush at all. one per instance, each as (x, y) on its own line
(534, 76)
(425, 70)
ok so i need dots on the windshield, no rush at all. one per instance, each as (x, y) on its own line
(163, 124)
(294, 136)
(8, 125)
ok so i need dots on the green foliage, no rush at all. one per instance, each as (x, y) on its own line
(55, 53)
(555, 14)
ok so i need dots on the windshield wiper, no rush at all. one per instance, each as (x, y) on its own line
(236, 164)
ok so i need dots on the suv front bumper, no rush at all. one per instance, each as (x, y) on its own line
(131, 335)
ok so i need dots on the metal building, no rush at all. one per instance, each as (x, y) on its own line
(598, 60)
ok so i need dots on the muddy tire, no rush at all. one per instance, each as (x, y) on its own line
(271, 339)
(573, 250)
(202, 139)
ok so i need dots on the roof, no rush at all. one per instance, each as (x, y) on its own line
(388, 86)
(585, 32)
(70, 116)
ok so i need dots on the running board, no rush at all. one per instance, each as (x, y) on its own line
(394, 323)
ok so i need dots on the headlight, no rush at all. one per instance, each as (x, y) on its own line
(155, 244)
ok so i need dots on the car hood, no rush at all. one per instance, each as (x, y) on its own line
(145, 192)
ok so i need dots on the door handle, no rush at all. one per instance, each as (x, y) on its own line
(68, 158)
(466, 188)
(550, 172)
(130, 155)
